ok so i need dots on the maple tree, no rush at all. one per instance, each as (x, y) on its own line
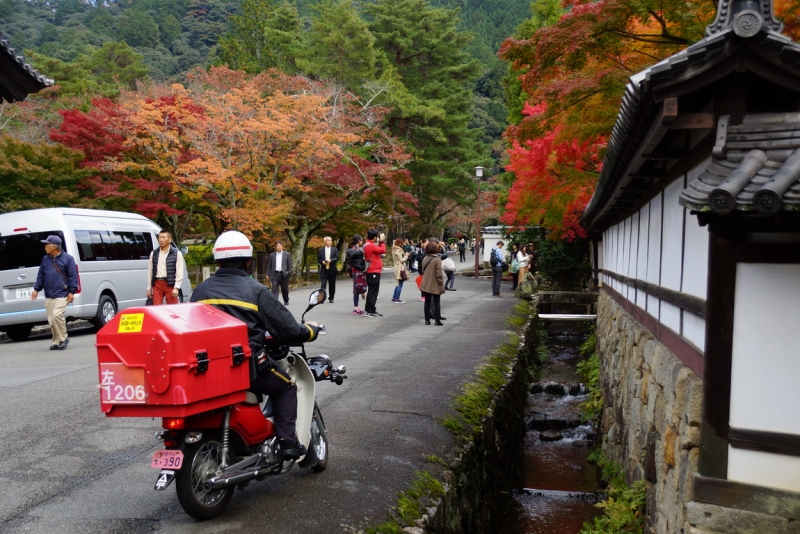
(571, 73)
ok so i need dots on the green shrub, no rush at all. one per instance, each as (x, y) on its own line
(564, 263)
(589, 371)
(623, 510)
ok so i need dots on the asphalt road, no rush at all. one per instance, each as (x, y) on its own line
(65, 467)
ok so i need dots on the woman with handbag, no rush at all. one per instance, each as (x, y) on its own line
(432, 285)
(359, 280)
(516, 259)
(399, 258)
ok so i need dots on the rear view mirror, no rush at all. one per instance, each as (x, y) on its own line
(317, 297)
(184, 250)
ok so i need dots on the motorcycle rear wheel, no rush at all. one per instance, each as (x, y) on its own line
(202, 460)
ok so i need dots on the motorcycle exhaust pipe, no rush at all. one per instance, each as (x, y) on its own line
(218, 483)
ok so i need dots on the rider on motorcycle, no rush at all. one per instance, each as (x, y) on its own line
(234, 292)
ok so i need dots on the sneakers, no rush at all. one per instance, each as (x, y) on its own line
(497, 295)
(62, 345)
(54, 347)
(398, 301)
(376, 314)
(292, 449)
(358, 312)
(368, 314)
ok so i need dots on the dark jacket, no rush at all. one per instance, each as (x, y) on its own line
(287, 264)
(334, 259)
(235, 293)
(172, 261)
(57, 285)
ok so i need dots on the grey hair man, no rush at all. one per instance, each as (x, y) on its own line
(59, 279)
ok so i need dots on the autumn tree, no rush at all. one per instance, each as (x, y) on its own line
(572, 74)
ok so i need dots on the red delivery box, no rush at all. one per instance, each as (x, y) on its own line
(172, 361)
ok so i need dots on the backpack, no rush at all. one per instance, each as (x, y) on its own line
(356, 260)
(493, 259)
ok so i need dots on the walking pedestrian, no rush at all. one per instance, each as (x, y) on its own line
(399, 257)
(279, 272)
(462, 250)
(328, 258)
(59, 279)
(432, 284)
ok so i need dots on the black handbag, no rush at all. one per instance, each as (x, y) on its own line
(149, 301)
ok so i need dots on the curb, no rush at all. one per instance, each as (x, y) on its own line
(45, 329)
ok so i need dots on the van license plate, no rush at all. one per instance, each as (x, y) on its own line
(167, 459)
(24, 293)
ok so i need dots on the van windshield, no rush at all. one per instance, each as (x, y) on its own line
(24, 250)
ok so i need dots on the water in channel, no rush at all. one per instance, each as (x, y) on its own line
(557, 490)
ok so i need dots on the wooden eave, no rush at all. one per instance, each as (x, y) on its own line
(18, 79)
(641, 147)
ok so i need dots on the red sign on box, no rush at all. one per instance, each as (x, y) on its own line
(120, 384)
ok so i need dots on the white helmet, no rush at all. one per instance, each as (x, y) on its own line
(232, 244)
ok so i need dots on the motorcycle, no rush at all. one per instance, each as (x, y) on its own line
(211, 453)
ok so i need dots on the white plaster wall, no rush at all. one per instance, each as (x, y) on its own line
(694, 329)
(672, 245)
(695, 255)
(633, 251)
(765, 373)
(654, 253)
(764, 469)
(765, 370)
(641, 255)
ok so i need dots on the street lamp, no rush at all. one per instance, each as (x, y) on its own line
(478, 175)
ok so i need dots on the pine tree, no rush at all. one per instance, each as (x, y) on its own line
(429, 79)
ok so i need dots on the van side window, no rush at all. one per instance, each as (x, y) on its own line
(94, 245)
(24, 250)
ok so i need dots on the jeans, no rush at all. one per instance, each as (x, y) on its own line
(397, 290)
(373, 287)
(451, 279)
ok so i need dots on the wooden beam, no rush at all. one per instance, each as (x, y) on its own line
(721, 291)
(759, 499)
(762, 441)
(693, 121)
(684, 301)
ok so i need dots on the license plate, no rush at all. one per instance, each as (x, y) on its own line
(24, 293)
(167, 459)
(120, 384)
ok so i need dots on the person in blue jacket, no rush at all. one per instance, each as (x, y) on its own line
(59, 279)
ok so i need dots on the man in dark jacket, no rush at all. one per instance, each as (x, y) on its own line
(234, 292)
(279, 271)
(328, 258)
(59, 279)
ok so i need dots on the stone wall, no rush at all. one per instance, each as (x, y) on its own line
(478, 486)
(651, 420)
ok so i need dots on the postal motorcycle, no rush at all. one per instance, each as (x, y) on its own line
(220, 439)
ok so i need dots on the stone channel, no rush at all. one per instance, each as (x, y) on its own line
(558, 487)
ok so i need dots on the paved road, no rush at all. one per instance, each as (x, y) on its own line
(64, 467)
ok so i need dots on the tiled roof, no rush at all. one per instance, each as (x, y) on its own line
(755, 167)
(722, 52)
(17, 78)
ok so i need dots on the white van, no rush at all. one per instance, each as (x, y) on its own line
(111, 251)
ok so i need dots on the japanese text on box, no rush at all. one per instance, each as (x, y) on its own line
(120, 384)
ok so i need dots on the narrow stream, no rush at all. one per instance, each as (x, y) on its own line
(558, 488)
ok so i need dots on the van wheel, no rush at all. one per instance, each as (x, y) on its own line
(18, 332)
(106, 310)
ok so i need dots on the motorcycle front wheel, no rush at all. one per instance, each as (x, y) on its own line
(201, 462)
(319, 441)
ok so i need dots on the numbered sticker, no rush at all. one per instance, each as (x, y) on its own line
(120, 384)
(130, 322)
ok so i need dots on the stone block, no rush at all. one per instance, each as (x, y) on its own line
(670, 444)
(649, 351)
(732, 521)
(794, 527)
(694, 401)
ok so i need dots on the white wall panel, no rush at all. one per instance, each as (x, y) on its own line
(641, 254)
(694, 329)
(654, 253)
(633, 252)
(695, 252)
(671, 317)
(764, 469)
(765, 370)
(672, 245)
